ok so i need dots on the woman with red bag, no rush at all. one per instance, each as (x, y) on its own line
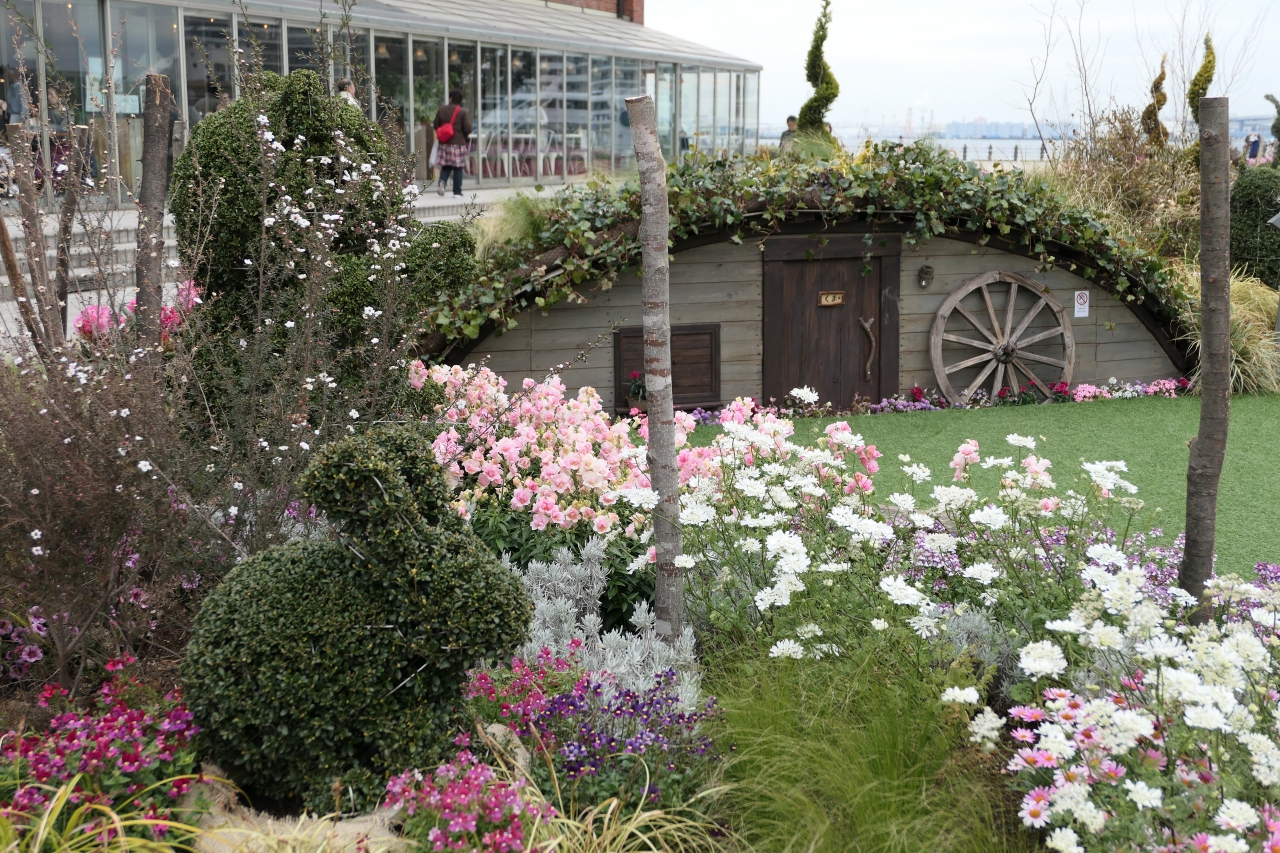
(453, 135)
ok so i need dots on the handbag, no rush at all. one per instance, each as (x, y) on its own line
(433, 160)
(445, 131)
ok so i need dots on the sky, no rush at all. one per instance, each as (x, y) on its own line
(958, 60)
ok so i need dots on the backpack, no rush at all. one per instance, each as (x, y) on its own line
(445, 132)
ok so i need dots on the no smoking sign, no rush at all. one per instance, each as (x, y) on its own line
(1082, 303)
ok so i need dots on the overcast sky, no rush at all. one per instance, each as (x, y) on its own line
(963, 60)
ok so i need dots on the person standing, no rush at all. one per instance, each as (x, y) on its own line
(347, 91)
(453, 135)
(788, 134)
(1252, 143)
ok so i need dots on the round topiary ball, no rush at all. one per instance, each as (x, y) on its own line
(327, 666)
(220, 191)
(1255, 245)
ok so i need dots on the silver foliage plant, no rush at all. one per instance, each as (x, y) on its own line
(566, 604)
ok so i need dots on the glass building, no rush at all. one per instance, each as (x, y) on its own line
(545, 83)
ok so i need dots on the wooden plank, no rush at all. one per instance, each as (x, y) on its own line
(683, 275)
(792, 247)
(722, 252)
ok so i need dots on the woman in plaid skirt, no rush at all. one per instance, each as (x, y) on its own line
(455, 143)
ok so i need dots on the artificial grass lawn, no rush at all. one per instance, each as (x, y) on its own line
(1149, 434)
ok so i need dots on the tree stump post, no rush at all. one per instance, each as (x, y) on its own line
(1209, 447)
(664, 475)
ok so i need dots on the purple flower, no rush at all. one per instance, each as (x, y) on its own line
(30, 654)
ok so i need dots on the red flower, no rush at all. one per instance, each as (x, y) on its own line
(635, 374)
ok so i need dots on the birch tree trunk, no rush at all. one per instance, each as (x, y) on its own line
(155, 178)
(1209, 447)
(664, 475)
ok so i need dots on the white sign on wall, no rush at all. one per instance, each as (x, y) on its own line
(1082, 303)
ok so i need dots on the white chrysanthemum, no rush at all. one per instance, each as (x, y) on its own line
(1236, 816)
(1161, 647)
(808, 632)
(642, 498)
(1073, 624)
(1227, 844)
(961, 695)
(1104, 636)
(906, 503)
(983, 573)
(1106, 476)
(901, 592)
(922, 521)
(787, 649)
(863, 529)
(953, 497)
(918, 473)
(805, 395)
(1206, 717)
(684, 561)
(993, 461)
(925, 627)
(940, 543)
(834, 568)
(1107, 555)
(1055, 741)
(992, 517)
(697, 513)
(1042, 659)
(985, 727)
(750, 546)
(1265, 755)
(879, 624)
(1143, 795)
(1021, 440)
(1064, 840)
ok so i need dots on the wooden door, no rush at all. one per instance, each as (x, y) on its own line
(830, 317)
(695, 364)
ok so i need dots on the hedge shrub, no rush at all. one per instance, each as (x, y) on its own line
(344, 660)
(1255, 245)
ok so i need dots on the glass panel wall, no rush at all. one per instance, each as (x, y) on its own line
(707, 111)
(428, 95)
(524, 113)
(688, 107)
(551, 114)
(626, 84)
(74, 73)
(736, 128)
(307, 50)
(149, 38)
(724, 96)
(495, 114)
(18, 62)
(462, 75)
(354, 63)
(664, 101)
(390, 73)
(602, 114)
(209, 64)
(751, 111)
(263, 45)
(577, 114)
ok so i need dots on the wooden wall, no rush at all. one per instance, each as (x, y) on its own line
(1110, 342)
(720, 283)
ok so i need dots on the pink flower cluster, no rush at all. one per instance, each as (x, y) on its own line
(559, 459)
(119, 748)
(99, 321)
(966, 454)
(466, 806)
(523, 695)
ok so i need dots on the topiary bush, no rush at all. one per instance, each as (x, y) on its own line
(1255, 245)
(231, 176)
(324, 664)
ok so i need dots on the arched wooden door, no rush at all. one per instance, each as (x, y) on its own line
(830, 316)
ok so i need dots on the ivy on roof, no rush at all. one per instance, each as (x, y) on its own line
(588, 231)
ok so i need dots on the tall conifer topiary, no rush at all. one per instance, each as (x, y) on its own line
(1199, 87)
(1157, 133)
(813, 114)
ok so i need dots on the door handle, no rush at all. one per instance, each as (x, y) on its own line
(871, 356)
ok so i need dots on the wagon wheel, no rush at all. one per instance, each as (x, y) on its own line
(1018, 341)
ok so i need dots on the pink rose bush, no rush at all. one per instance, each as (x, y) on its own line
(559, 460)
(98, 322)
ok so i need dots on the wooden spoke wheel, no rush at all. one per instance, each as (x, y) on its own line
(1001, 330)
